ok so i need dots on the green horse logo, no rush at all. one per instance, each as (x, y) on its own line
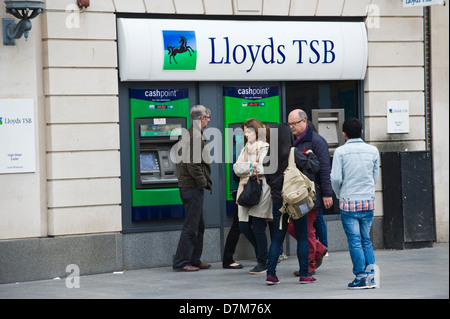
(177, 43)
(180, 49)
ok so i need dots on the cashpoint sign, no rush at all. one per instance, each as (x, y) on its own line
(159, 99)
(250, 96)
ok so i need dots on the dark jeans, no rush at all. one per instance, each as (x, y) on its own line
(255, 231)
(190, 245)
(301, 232)
(232, 238)
(321, 228)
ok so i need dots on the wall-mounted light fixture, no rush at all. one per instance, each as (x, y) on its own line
(23, 10)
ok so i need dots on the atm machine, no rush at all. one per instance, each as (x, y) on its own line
(241, 103)
(157, 119)
(328, 123)
(154, 138)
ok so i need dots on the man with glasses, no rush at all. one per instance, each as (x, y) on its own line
(306, 139)
(194, 176)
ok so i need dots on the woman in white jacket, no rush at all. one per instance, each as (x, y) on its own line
(252, 220)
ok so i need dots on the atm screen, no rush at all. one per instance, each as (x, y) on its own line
(158, 130)
(149, 161)
(238, 142)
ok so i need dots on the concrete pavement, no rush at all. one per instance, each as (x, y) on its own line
(405, 274)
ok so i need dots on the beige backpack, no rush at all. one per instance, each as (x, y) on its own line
(298, 191)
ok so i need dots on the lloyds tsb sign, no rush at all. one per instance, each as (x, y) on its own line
(272, 53)
(208, 50)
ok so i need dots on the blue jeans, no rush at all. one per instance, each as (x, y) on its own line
(321, 228)
(255, 231)
(357, 227)
(301, 231)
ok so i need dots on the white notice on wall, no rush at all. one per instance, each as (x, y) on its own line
(422, 3)
(398, 116)
(17, 146)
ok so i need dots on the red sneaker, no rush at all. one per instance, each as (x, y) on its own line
(272, 280)
(307, 280)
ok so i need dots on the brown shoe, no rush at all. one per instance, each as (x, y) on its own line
(320, 259)
(311, 272)
(203, 265)
(187, 268)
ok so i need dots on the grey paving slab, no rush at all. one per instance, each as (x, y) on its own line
(404, 274)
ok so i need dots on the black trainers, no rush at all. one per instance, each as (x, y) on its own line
(359, 284)
(259, 269)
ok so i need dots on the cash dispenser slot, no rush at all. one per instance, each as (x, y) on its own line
(328, 123)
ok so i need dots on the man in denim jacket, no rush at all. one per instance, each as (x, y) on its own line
(354, 174)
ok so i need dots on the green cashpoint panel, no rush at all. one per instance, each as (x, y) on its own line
(155, 105)
(241, 104)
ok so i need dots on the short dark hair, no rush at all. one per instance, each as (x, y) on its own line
(352, 127)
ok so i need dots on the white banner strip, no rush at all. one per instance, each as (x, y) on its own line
(207, 50)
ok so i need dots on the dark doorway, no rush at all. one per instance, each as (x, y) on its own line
(323, 95)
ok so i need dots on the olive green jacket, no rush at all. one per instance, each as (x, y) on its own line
(193, 165)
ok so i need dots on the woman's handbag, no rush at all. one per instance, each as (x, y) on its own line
(252, 192)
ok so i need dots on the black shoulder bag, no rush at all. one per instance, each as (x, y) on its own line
(251, 194)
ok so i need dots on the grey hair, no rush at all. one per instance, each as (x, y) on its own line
(302, 115)
(198, 111)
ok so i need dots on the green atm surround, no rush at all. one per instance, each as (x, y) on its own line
(162, 200)
(237, 108)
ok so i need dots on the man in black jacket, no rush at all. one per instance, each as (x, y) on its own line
(307, 139)
(194, 176)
